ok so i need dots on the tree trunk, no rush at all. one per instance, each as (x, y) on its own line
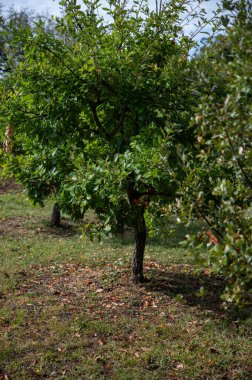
(140, 240)
(55, 219)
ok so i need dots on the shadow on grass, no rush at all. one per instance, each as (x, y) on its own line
(66, 229)
(178, 282)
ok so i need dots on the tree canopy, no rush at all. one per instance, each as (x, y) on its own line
(100, 110)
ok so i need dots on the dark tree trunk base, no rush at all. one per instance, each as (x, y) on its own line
(140, 281)
(55, 218)
(138, 253)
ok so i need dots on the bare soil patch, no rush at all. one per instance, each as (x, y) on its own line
(13, 227)
(9, 186)
(20, 226)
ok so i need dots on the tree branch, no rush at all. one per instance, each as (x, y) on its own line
(246, 177)
(66, 66)
(94, 113)
(120, 122)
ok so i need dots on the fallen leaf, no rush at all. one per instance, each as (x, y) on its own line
(145, 348)
(99, 359)
(211, 363)
(101, 342)
(179, 366)
(99, 290)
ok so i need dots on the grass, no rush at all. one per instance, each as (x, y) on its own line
(69, 311)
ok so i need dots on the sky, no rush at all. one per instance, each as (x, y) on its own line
(39, 6)
(51, 7)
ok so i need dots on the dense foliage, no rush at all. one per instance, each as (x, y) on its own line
(100, 111)
(219, 182)
(96, 109)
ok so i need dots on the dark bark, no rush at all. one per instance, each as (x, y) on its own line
(55, 219)
(137, 209)
(140, 241)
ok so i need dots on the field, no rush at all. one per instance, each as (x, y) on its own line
(68, 309)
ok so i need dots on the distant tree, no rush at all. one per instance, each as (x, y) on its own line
(13, 25)
(15, 29)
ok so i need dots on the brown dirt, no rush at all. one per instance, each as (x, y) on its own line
(13, 226)
(68, 288)
(19, 226)
(9, 186)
